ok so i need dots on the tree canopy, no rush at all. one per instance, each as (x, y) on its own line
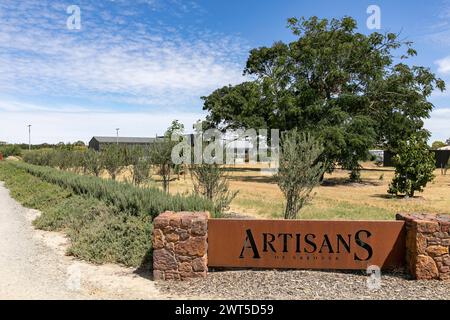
(355, 90)
(438, 145)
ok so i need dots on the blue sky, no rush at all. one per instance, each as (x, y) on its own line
(139, 64)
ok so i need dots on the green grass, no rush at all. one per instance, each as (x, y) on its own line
(272, 209)
(99, 232)
(343, 210)
(340, 211)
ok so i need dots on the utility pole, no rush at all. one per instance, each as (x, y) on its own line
(29, 137)
(117, 134)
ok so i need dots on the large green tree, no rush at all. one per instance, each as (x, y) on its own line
(354, 90)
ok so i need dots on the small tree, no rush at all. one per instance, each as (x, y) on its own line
(176, 128)
(62, 159)
(79, 143)
(161, 153)
(211, 182)
(92, 162)
(437, 145)
(139, 159)
(414, 167)
(161, 156)
(299, 170)
(112, 160)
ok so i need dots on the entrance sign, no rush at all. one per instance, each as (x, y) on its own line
(299, 244)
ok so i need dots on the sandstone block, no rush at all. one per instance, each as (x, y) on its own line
(436, 251)
(199, 227)
(175, 222)
(172, 237)
(192, 247)
(425, 268)
(164, 260)
(184, 235)
(169, 275)
(445, 227)
(180, 245)
(185, 267)
(160, 222)
(158, 239)
(427, 226)
(199, 264)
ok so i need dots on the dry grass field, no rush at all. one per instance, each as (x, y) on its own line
(336, 198)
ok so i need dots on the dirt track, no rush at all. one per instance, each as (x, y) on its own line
(33, 264)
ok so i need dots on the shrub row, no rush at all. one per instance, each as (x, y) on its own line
(124, 196)
(10, 150)
(60, 158)
(98, 232)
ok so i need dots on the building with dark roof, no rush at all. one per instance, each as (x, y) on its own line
(98, 143)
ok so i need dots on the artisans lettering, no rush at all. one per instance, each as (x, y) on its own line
(307, 243)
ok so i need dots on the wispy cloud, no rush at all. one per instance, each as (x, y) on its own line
(443, 65)
(117, 55)
(73, 123)
(438, 124)
(439, 30)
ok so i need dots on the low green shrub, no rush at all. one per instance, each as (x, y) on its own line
(10, 150)
(99, 233)
(59, 158)
(29, 190)
(69, 213)
(123, 239)
(124, 196)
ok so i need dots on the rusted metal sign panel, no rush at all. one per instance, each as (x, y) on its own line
(305, 244)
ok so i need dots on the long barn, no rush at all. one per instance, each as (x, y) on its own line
(98, 143)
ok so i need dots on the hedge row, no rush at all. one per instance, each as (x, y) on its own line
(124, 196)
(98, 233)
(10, 150)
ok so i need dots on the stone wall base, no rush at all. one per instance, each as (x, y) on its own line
(427, 246)
(180, 245)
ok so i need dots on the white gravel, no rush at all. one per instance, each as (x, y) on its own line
(33, 264)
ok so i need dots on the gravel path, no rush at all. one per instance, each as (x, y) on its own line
(304, 284)
(28, 269)
(33, 264)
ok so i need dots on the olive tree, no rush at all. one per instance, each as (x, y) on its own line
(299, 170)
(414, 167)
(112, 159)
(211, 182)
(92, 162)
(161, 157)
(140, 160)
